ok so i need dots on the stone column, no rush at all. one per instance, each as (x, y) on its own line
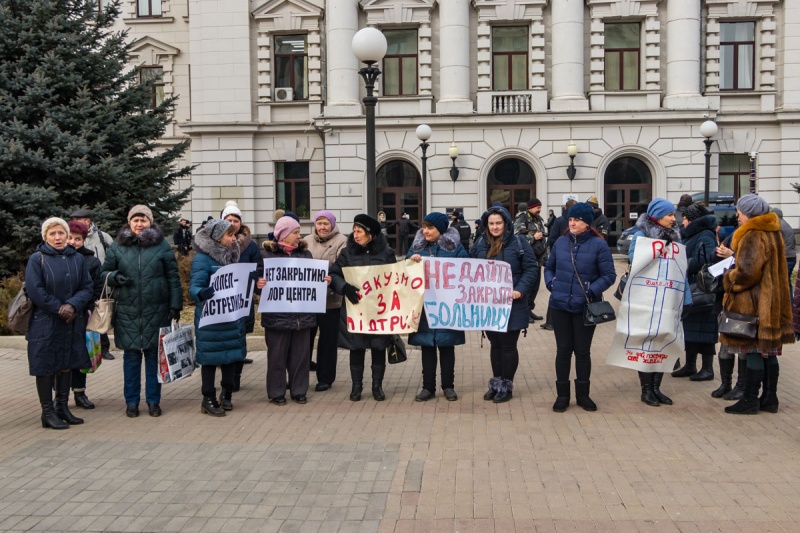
(567, 67)
(791, 61)
(683, 56)
(343, 80)
(454, 59)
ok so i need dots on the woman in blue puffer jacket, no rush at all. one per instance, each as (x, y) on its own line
(500, 243)
(436, 239)
(580, 268)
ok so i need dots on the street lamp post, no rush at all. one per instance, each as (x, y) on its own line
(424, 133)
(369, 46)
(708, 129)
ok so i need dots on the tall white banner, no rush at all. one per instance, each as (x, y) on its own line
(233, 294)
(294, 285)
(649, 335)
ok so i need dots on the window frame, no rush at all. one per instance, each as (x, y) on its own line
(291, 57)
(149, 14)
(154, 87)
(509, 62)
(736, 45)
(741, 179)
(621, 54)
(400, 58)
(291, 184)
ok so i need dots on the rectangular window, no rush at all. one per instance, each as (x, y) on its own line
(622, 44)
(510, 58)
(400, 63)
(737, 55)
(292, 188)
(148, 8)
(734, 174)
(291, 64)
(155, 77)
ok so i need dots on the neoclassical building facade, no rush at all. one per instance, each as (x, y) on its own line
(270, 95)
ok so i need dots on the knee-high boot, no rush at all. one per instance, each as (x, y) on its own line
(689, 369)
(769, 397)
(660, 396)
(357, 375)
(726, 377)
(741, 378)
(646, 381)
(706, 372)
(63, 382)
(748, 405)
(44, 388)
(377, 382)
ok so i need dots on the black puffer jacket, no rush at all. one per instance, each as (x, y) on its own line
(94, 267)
(273, 250)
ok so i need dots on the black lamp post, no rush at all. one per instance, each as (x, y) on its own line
(708, 129)
(369, 46)
(424, 133)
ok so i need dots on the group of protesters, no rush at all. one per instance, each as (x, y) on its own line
(64, 279)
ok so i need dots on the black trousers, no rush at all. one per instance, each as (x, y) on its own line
(572, 337)
(503, 353)
(357, 357)
(287, 349)
(208, 375)
(327, 345)
(78, 380)
(447, 356)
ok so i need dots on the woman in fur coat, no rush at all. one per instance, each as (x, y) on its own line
(756, 285)
(436, 239)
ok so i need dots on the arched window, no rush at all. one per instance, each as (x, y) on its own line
(399, 190)
(510, 182)
(628, 190)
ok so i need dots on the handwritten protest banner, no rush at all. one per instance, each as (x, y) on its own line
(294, 286)
(467, 294)
(649, 334)
(391, 298)
(233, 294)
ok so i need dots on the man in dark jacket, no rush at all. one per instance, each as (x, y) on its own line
(404, 229)
(183, 236)
(683, 203)
(600, 222)
(561, 224)
(788, 240)
(529, 223)
(463, 228)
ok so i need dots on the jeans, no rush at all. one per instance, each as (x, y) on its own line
(572, 337)
(132, 375)
(503, 353)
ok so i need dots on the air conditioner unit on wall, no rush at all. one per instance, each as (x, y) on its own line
(284, 94)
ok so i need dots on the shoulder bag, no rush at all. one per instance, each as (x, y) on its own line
(623, 282)
(593, 312)
(101, 320)
(737, 325)
(397, 350)
(20, 310)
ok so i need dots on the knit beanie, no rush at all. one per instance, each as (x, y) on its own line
(370, 225)
(581, 211)
(292, 215)
(77, 228)
(534, 202)
(216, 228)
(142, 210)
(752, 205)
(659, 208)
(231, 210)
(284, 226)
(592, 201)
(695, 211)
(51, 221)
(438, 221)
(326, 214)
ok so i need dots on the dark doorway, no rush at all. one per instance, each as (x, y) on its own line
(399, 190)
(510, 182)
(628, 190)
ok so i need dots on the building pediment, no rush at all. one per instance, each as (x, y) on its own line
(622, 8)
(149, 50)
(381, 12)
(281, 15)
(740, 8)
(489, 10)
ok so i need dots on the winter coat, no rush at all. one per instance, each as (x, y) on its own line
(284, 321)
(788, 240)
(183, 238)
(94, 267)
(327, 249)
(98, 242)
(518, 254)
(448, 245)
(154, 288)
(249, 253)
(594, 265)
(53, 278)
(559, 227)
(600, 223)
(226, 342)
(700, 239)
(757, 283)
(376, 252)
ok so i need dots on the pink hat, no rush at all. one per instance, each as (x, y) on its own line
(283, 227)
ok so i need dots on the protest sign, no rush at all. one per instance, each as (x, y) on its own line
(294, 285)
(233, 294)
(391, 298)
(649, 335)
(467, 294)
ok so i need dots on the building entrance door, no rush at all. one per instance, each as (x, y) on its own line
(399, 190)
(628, 189)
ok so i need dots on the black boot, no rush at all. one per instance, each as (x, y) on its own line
(689, 369)
(646, 381)
(44, 388)
(377, 382)
(660, 396)
(582, 396)
(504, 392)
(677, 364)
(562, 396)
(725, 376)
(707, 371)
(357, 375)
(748, 405)
(769, 398)
(738, 390)
(81, 400)
(225, 396)
(494, 384)
(211, 407)
(63, 383)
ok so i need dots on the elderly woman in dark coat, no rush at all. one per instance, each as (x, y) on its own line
(366, 246)
(60, 288)
(500, 243)
(436, 239)
(143, 266)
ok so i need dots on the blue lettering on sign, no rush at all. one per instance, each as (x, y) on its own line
(466, 316)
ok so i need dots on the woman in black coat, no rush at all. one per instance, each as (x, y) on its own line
(366, 246)
(60, 288)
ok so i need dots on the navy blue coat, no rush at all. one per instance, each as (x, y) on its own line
(216, 344)
(701, 240)
(250, 253)
(519, 255)
(594, 264)
(448, 245)
(53, 278)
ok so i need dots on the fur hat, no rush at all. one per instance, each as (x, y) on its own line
(592, 201)
(534, 202)
(51, 221)
(685, 201)
(77, 228)
(659, 208)
(370, 225)
(581, 211)
(216, 228)
(324, 213)
(695, 211)
(284, 226)
(752, 205)
(438, 221)
(142, 210)
(231, 210)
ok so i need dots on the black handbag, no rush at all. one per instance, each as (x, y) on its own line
(701, 301)
(593, 312)
(738, 325)
(623, 282)
(397, 350)
(708, 282)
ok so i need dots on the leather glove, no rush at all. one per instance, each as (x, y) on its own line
(67, 313)
(175, 314)
(206, 294)
(122, 280)
(351, 293)
(254, 275)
